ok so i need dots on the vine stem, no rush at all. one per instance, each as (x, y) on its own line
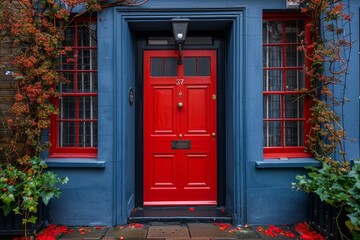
(342, 235)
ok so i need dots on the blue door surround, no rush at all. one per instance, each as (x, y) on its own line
(126, 25)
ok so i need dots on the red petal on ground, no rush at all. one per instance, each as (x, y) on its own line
(306, 232)
(138, 225)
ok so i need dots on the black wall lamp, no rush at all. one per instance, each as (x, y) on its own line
(179, 27)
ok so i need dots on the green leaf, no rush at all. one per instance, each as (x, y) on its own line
(6, 210)
(64, 180)
(7, 198)
(46, 197)
(16, 210)
(32, 219)
(354, 218)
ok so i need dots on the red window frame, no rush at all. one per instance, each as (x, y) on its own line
(283, 151)
(77, 151)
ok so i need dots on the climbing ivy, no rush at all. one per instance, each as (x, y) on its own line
(336, 182)
(35, 29)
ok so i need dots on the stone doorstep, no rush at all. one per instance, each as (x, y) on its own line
(190, 231)
(168, 231)
(126, 233)
(209, 231)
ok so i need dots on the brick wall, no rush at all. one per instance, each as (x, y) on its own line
(7, 89)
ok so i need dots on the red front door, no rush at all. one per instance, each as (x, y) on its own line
(180, 128)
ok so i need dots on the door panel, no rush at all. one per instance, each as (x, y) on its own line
(163, 110)
(197, 119)
(180, 165)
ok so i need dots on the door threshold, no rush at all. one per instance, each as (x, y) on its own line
(180, 215)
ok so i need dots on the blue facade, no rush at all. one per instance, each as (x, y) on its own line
(102, 191)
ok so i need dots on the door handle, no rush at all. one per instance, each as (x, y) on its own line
(213, 134)
(180, 105)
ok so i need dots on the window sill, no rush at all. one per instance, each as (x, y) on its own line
(287, 163)
(74, 163)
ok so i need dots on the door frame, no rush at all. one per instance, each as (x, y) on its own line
(141, 45)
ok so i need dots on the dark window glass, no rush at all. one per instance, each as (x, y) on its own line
(88, 107)
(88, 134)
(272, 133)
(87, 59)
(203, 66)
(67, 108)
(294, 106)
(67, 134)
(87, 82)
(157, 67)
(190, 66)
(295, 80)
(294, 30)
(171, 67)
(272, 56)
(272, 106)
(294, 133)
(68, 86)
(272, 31)
(273, 80)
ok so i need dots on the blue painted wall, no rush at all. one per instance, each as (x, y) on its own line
(101, 191)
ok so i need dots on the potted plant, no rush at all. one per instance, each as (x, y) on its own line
(24, 191)
(338, 185)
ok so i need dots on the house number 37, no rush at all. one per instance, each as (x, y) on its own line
(179, 81)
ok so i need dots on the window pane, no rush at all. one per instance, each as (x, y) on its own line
(67, 87)
(272, 133)
(272, 106)
(87, 83)
(203, 66)
(272, 31)
(190, 66)
(272, 57)
(295, 80)
(294, 106)
(293, 30)
(87, 59)
(294, 57)
(171, 67)
(69, 36)
(67, 108)
(87, 34)
(156, 67)
(88, 108)
(294, 133)
(66, 134)
(88, 134)
(273, 80)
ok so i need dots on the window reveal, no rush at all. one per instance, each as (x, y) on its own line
(74, 129)
(285, 110)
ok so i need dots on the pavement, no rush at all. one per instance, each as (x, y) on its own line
(172, 231)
